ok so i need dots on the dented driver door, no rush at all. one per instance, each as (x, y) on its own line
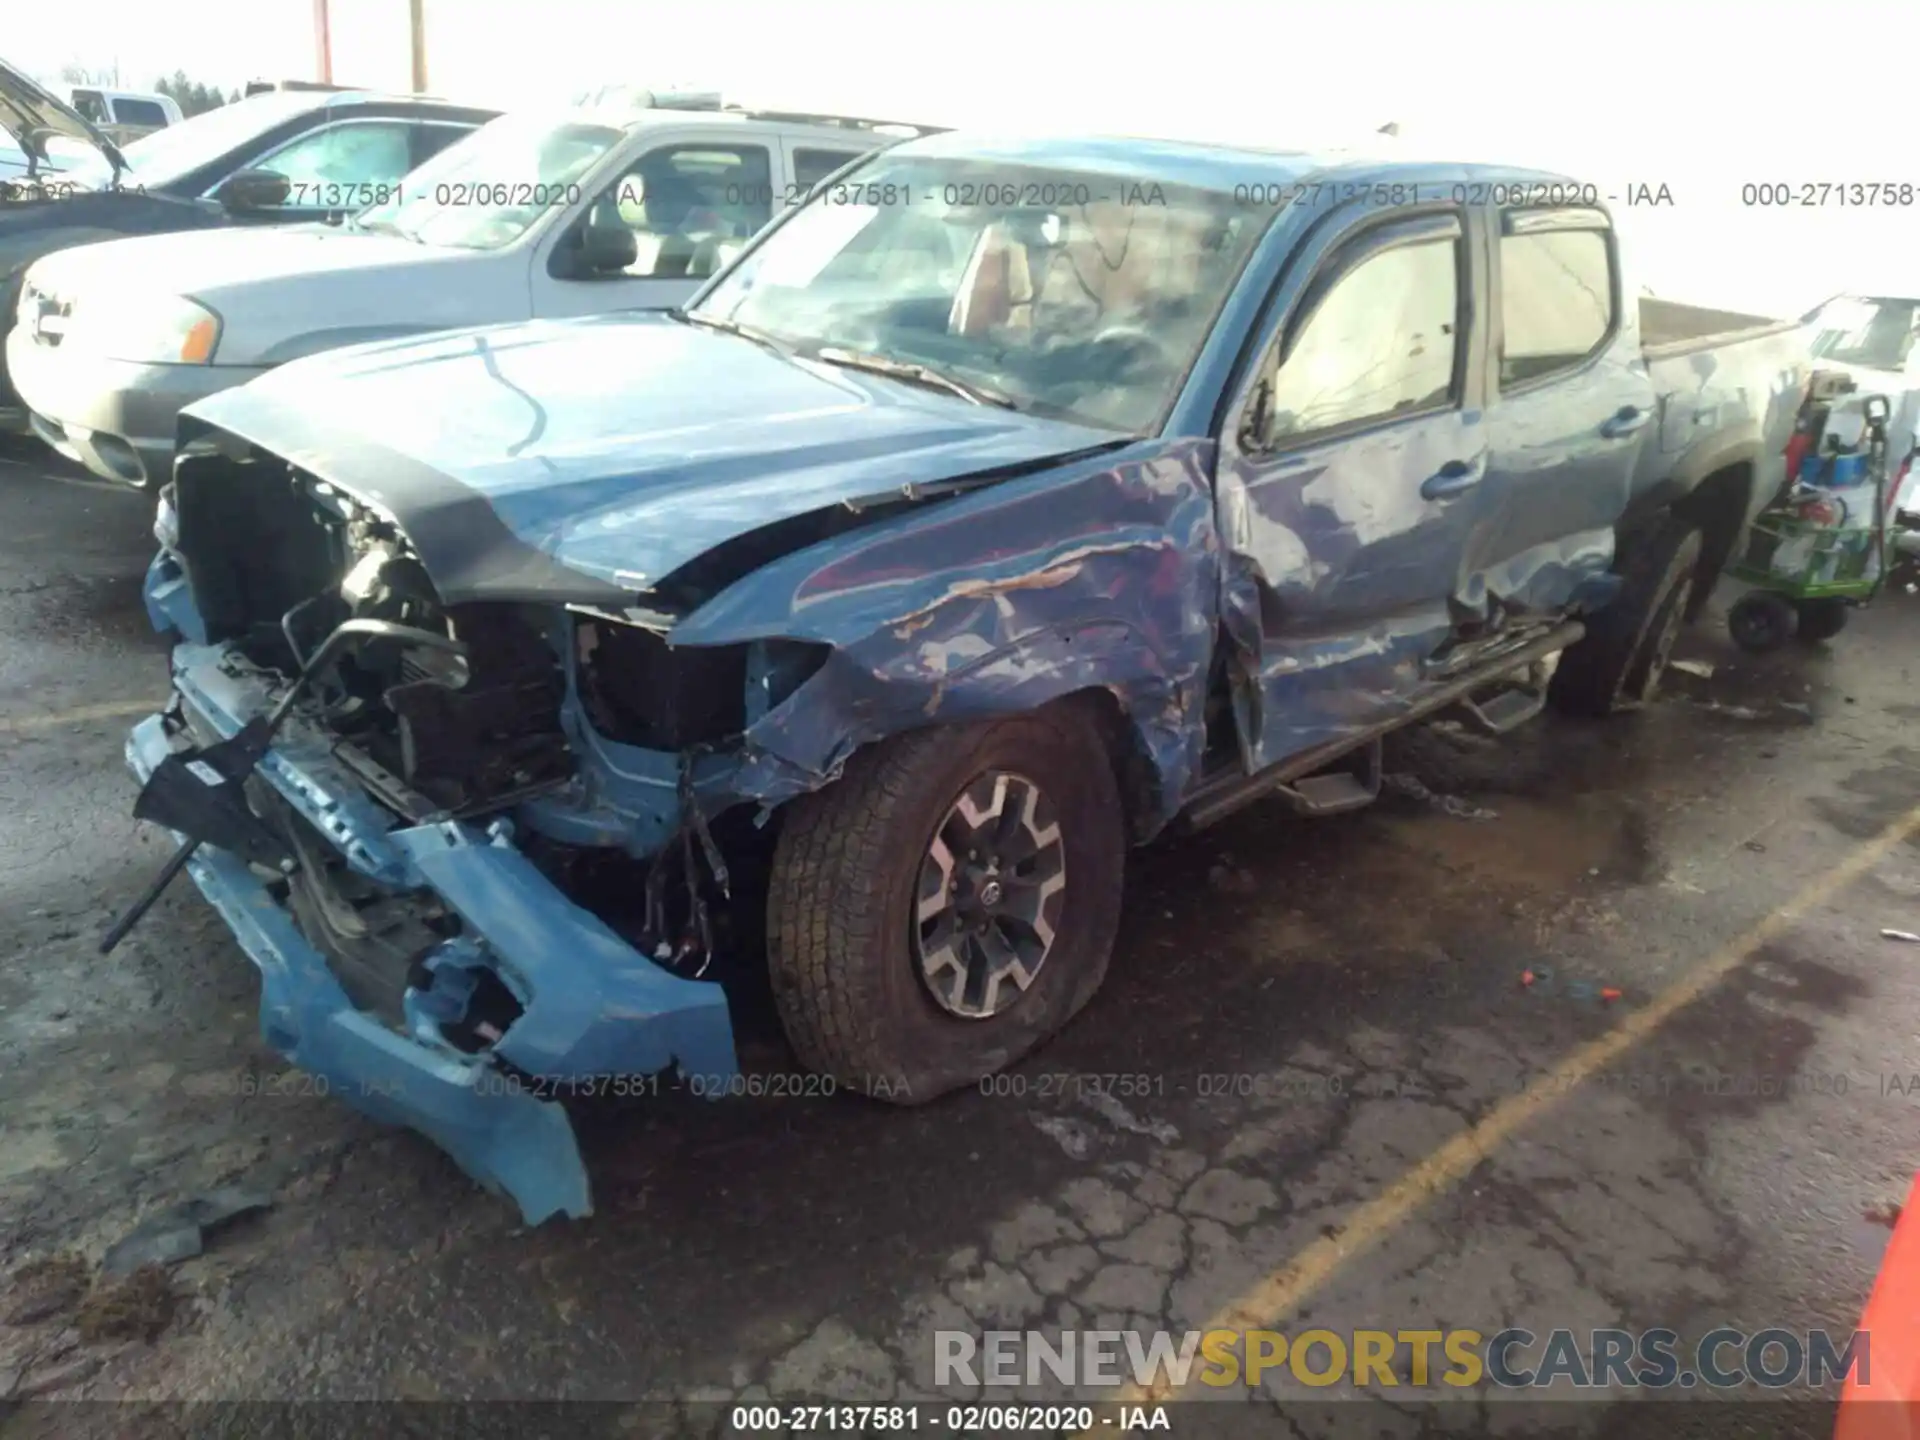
(1351, 478)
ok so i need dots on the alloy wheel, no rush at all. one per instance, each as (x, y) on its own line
(991, 887)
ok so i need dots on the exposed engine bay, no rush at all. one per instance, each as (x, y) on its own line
(429, 737)
(434, 735)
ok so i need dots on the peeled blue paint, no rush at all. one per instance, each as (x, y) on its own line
(941, 615)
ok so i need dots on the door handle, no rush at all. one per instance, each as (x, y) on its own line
(1624, 421)
(1451, 479)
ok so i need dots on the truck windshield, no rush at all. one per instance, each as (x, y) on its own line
(1877, 334)
(486, 190)
(1071, 293)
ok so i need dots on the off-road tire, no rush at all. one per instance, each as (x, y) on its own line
(1616, 666)
(845, 982)
(1821, 619)
(1761, 621)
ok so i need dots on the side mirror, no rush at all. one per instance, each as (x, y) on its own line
(253, 190)
(596, 249)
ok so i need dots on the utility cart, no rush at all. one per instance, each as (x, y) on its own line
(1821, 548)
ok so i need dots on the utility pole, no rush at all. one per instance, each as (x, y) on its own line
(323, 41)
(418, 19)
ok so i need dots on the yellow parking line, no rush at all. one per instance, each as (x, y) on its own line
(1285, 1290)
(79, 715)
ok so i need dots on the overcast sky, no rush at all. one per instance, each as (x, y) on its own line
(1699, 95)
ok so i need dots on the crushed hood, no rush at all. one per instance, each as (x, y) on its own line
(26, 107)
(582, 459)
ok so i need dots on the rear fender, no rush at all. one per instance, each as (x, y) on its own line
(1739, 446)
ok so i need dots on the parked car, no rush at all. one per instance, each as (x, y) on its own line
(539, 216)
(1003, 504)
(271, 160)
(125, 115)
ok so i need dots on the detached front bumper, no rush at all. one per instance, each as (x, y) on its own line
(589, 1006)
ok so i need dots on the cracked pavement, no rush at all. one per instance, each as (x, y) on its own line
(1299, 1013)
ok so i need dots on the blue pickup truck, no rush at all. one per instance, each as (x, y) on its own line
(1001, 506)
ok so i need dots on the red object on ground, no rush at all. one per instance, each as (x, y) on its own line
(1886, 1404)
(1610, 993)
(1526, 977)
(1797, 449)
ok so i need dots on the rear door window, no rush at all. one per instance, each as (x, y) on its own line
(1558, 287)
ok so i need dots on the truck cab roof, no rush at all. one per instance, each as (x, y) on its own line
(1210, 166)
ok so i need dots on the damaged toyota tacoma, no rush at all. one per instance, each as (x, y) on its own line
(999, 507)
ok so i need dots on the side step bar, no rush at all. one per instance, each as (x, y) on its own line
(1506, 711)
(1293, 779)
(1334, 792)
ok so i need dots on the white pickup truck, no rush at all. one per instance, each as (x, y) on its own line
(125, 115)
(534, 217)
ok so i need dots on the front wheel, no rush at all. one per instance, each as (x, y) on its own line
(1618, 664)
(948, 904)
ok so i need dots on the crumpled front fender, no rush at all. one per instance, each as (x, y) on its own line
(1100, 574)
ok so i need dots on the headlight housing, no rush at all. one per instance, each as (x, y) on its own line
(152, 330)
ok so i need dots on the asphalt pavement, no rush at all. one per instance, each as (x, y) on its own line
(1318, 1090)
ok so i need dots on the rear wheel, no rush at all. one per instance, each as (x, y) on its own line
(1821, 619)
(1761, 621)
(948, 904)
(1618, 664)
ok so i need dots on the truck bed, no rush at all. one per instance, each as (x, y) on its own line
(1728, 388)
(1668, 327)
